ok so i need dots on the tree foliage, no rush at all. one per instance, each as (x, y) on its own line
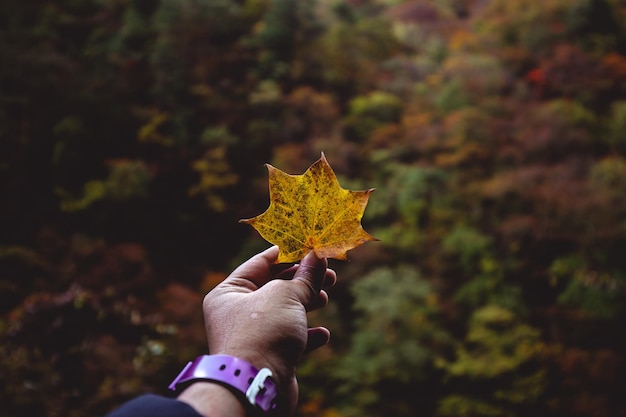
(133, 135)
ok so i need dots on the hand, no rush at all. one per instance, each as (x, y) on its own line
(258, 314)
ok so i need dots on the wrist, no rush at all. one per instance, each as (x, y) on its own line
(283, 374)
(253, 387)
(212, 400)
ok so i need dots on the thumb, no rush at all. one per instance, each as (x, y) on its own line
(309, 277)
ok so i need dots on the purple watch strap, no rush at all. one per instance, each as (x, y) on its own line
(257, 386)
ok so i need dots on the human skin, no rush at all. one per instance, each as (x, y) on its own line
(258, 314)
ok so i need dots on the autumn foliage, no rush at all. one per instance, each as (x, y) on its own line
(133, 135)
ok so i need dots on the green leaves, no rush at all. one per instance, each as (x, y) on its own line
(133, 134)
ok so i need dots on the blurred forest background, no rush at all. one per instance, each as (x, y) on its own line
(133, 135)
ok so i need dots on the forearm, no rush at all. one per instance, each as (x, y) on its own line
(212, 400)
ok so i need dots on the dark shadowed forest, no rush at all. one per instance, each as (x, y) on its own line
(133, 137)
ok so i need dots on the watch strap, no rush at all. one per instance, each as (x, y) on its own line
(255, 387)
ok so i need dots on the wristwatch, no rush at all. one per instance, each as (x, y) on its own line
(254, 387)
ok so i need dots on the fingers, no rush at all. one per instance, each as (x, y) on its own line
(316, 338)
(309, 278)
(329, 279)
(318, 302)
(256, 271)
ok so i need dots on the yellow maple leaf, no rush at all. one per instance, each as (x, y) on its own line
(312, 212)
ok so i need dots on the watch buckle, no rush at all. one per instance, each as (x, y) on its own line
(257, 386)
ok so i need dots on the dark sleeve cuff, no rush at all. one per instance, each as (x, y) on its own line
(150, 405)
